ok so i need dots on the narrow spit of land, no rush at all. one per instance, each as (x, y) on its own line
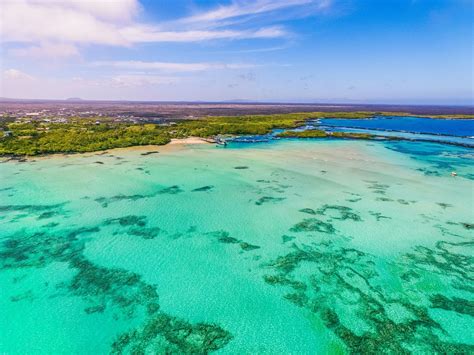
(27, 137)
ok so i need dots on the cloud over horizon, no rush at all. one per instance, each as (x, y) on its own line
(205, 50)
(169, 66)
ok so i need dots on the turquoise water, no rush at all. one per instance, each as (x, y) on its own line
(290, 246)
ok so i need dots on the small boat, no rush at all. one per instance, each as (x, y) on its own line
(453, 173)
(220, 141)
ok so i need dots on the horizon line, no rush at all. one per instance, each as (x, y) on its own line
(236, 102)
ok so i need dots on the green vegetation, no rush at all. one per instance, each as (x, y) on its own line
(310, 133)
(42, 138)
(88, 135)
(85, 135)
(355, 135)
(317, 133)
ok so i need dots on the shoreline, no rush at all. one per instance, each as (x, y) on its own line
(179, 143)
(188, 140)
(28, 139)
(175, 143)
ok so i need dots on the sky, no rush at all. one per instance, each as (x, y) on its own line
(339, 51)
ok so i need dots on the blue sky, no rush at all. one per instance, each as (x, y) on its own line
(342, 51)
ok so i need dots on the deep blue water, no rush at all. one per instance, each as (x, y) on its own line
(454, 127)
(439, 159)
(465, 141)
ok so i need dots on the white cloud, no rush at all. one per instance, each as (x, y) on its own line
(169, 67)
(38, 21)
(257, 50)
(136, 34)
(46, 50)
(245, 8)
(123, 80)
(15, 74)
(249, 10)
(106, 22)
(135, 80)
(122, 87)
(103, 9)
(124, 10)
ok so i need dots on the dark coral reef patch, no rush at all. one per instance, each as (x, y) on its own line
(456, 304)
(313, 225)
(333, 281)
(308, 211)
(204, 188)
(127, 221)
(145, 233)
(40, 212)
(171, 190)
(164, 334)
(105, 201)
(224, 237)
(115, 290)
(343, 212)
(333, 212)
(268, 199)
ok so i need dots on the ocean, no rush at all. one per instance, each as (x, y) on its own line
(289, 246)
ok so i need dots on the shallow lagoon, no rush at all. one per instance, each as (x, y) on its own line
(283, 247)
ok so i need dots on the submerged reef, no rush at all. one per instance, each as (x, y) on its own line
(29, 208)
(247, 246)
(223, 237)
(313, 225)
(343, 212)
(468, 226)
(48, 214)
(137, 226)
(377, 188)
(455, 304)
(268, 199)
(204, 188)
(378, 216)
(103, 286)
(150, 152)
(145, 233)
(105, 201)
(286, 238)
(128, 221)
(332, 212)
(446, 260)
(41, 248)
(172, 190)
(444, 205)
(308, 211)
(115, 290)
(164, 334)
(343, 288)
